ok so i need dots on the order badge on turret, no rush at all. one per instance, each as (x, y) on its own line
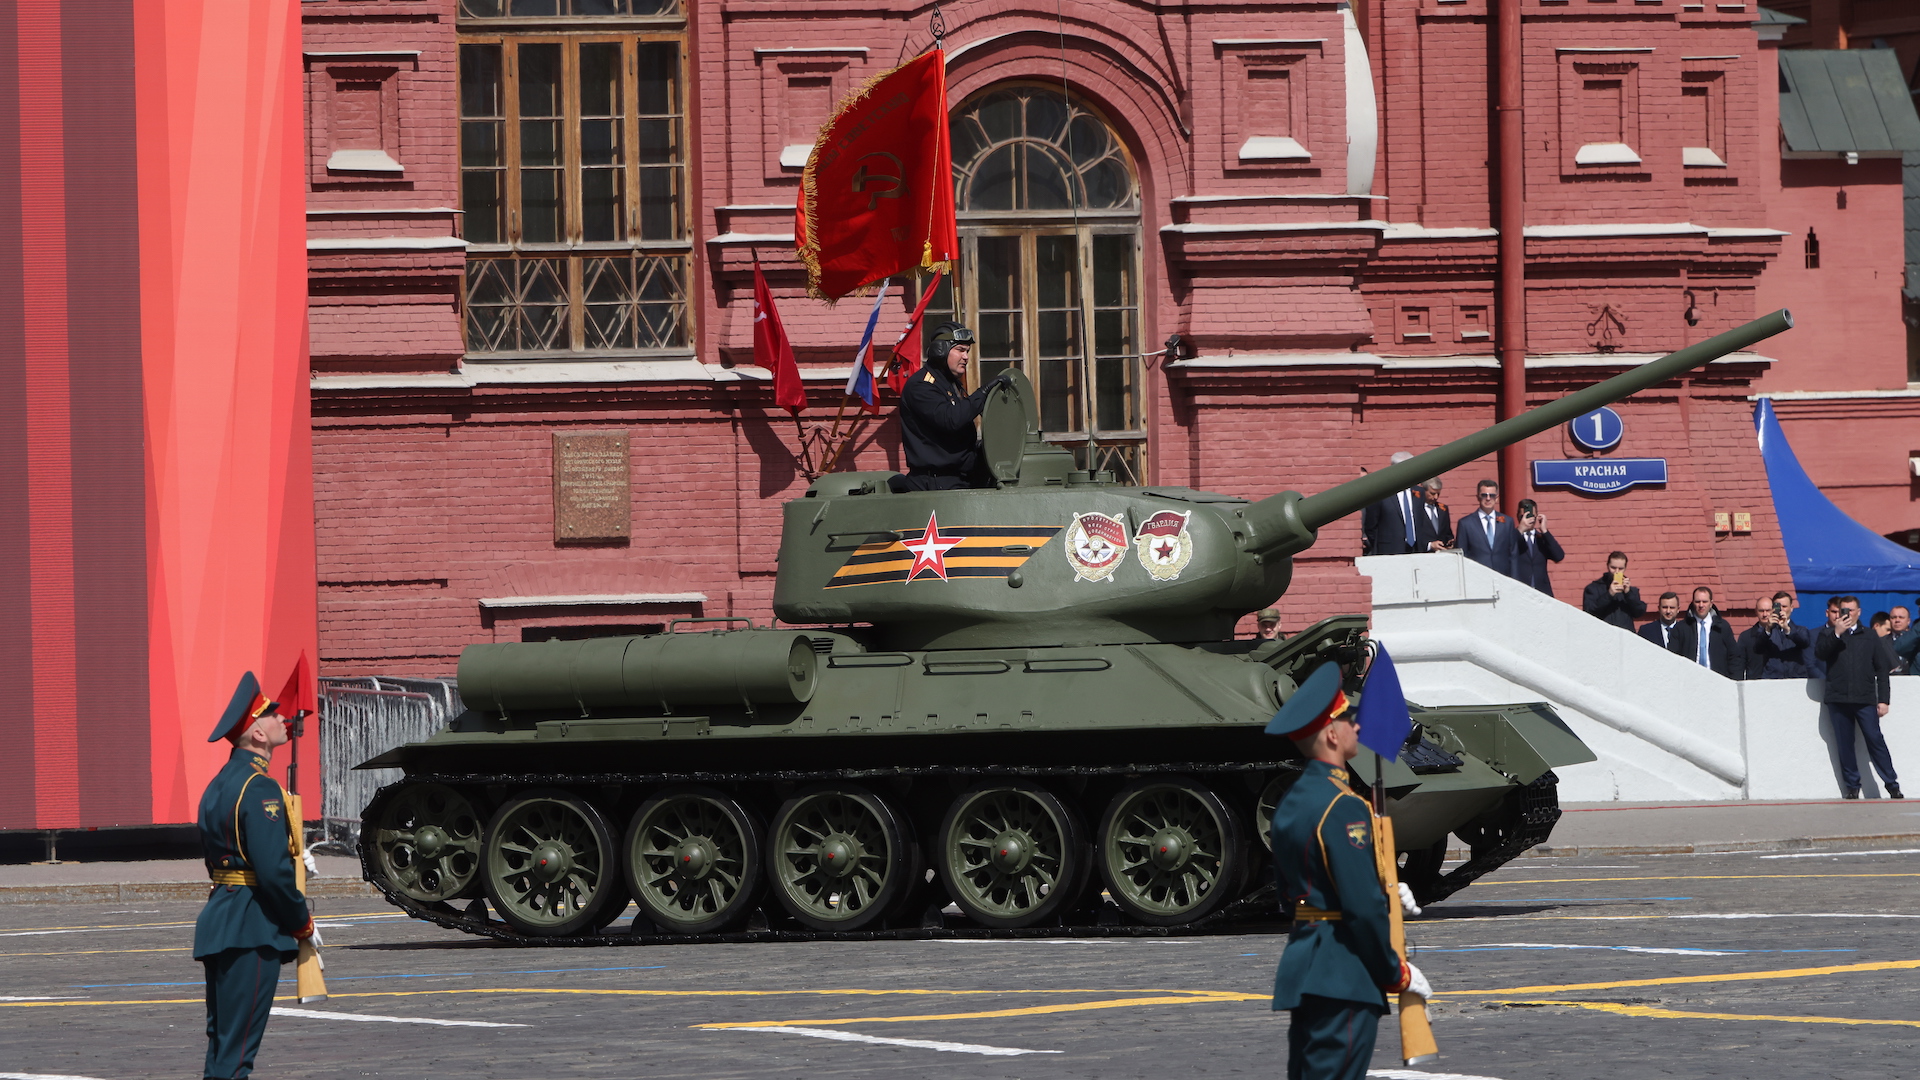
(1165, 545)
(1096, 546)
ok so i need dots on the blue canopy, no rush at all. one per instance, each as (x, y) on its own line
(1828, 551)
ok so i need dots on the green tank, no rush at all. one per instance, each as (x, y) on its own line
(1021, 703)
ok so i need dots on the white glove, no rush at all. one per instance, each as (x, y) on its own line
(1407, 906)
(1417, 983)
(317, 943)
(313, 867)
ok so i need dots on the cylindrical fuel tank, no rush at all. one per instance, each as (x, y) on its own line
(654, 672)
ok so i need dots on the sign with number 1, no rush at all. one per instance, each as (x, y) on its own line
(1600, 429)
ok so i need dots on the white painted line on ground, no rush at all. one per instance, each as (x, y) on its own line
(1839, 854)
(1614, 948)
(68, 997)
(316, 1014)
(1062, 941)
(1416, 1074)
(1796, 915)
(44, 1076)
(915, 1044)
(87, 930)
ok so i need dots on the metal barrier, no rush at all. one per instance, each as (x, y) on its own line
(361, 718)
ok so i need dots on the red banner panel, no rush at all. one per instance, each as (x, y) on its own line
(156, 534)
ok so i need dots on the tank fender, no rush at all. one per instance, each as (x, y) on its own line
(1523, 741)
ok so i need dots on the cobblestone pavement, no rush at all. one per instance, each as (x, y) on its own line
(1749, 965)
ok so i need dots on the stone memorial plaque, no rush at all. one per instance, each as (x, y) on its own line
(592, 487)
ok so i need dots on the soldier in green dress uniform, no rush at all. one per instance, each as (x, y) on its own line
(254, 915)
(1340, 963)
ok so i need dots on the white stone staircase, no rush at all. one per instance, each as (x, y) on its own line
(1664, 728)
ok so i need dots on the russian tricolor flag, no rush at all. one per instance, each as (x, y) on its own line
(860, 379)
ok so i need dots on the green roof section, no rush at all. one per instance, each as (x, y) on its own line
(1846, 101)
(1770, 17)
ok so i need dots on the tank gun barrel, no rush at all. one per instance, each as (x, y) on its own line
(1286, 523)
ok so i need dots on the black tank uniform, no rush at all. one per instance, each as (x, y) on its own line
(937, 432)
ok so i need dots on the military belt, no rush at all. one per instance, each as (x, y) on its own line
(1309, 913)
(234, 877)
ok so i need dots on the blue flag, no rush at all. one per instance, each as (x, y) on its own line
(1384, 720)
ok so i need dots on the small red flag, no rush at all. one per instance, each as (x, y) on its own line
(295, 695)
(771, 350)
(906, 348)
(877, 193)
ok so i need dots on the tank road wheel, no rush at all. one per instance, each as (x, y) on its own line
(1170, 851)
(550, 864)
(1011, 854)
(426, 840)
(1269, 801)
(693, 860)
(838, 857)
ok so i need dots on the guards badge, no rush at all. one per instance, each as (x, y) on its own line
(1357, 833)
(1164, 544)
(1096, 546)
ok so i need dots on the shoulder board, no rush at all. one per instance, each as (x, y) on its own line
(1348, 793)
(927, 377)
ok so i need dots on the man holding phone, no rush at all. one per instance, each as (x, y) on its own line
(1612, 598)
(1858, 690)
(1537, 548)
(1774, 647)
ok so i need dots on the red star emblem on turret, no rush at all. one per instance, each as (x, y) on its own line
(930, 550)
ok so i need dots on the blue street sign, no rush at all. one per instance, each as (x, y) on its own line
(1600, 476)
(1598, 430)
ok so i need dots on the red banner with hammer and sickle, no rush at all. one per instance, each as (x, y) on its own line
(877, 194)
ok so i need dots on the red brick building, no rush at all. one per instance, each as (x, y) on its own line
(534, 220)
(1848, 390)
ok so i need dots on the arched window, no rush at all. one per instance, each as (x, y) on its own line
(1049, 271)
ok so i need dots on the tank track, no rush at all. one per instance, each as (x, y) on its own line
(1255, 910)
(1527, 818)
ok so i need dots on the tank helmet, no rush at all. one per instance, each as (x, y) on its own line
(944, 338)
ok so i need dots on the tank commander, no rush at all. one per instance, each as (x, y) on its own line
(1340, 963)
(937, 414)
(254, 915)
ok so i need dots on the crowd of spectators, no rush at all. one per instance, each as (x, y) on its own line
(1855, 661)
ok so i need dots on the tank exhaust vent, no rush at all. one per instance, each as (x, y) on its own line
(822, 646)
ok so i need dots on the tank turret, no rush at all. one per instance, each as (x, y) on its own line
(1052, 554)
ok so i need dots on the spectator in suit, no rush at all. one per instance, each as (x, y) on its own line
(1612, 598)
(1858, 691)
(1906, 641)
(1774, 647)
(1486, 535)
(1661, 630)
(1397, 524)
(1706, 639)
(1437, 513)
(1537, 548)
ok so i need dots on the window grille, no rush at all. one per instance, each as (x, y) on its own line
(573, 180)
